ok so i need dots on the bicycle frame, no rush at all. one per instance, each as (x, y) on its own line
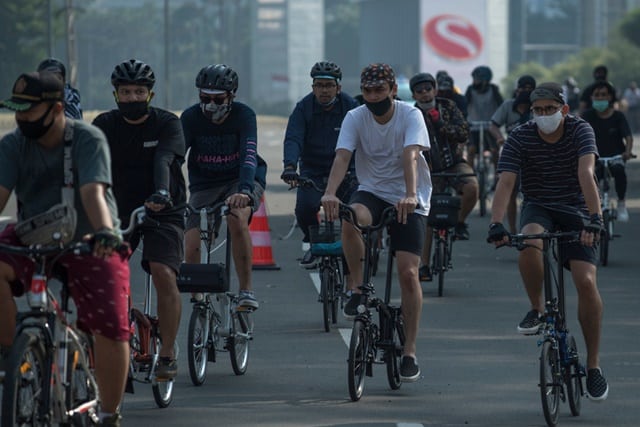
(483, 162)
(609, 211)
(47, 321)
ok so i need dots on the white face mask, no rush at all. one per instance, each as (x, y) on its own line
(548, 124)
(215, 112)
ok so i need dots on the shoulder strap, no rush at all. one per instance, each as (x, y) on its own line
(67, 189)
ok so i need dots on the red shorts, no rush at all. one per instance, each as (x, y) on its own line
(100, 288)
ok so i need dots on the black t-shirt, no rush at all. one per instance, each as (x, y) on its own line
(145, 158)
(610, 132)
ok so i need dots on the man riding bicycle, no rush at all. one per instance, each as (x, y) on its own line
(310, 142)
(448, 132)
(222, 139)
(32, 163)
(147, 151)
(387, 136)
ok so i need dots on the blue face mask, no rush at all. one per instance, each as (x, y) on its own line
(600, 104)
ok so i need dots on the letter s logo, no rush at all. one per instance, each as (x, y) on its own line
(453, 37)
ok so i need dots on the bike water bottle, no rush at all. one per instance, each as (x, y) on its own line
(37, 295)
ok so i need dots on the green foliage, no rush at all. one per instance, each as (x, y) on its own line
(630, 27)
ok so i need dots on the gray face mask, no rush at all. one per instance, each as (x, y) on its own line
(215, 112)
(427, 105)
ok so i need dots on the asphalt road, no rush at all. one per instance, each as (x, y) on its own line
(476, 370)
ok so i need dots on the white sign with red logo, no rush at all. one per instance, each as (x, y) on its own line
(453, 37)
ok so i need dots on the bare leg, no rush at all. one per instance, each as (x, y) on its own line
(532, 269)
(589, 308)
(469, 199)
(112, 365)
(8, 308)
(353, 246)
(411, 294)
(169, 305)
(241, 246)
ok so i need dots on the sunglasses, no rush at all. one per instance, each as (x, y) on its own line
(423, 88)
(218, 100)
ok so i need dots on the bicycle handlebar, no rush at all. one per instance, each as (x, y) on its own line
(39, 251)
(307, 183)
(137, 217)
(349, 214)
(518, 240)
(220, 208)
(477, 125)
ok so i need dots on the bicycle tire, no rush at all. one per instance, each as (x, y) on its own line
(394, 356)
(441, 250)
(162, 390)
(375, 252)
(605, 237)
(326, 295)
(83, 389)
(482, 187)
(238, 341)
(337, 292)
(23, 385)
(198, 345)
(573, 378)
(550, 383)
(357, 362)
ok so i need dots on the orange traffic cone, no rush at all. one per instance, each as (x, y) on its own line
(261, 240)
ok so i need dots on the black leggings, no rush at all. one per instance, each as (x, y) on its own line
(619, 176)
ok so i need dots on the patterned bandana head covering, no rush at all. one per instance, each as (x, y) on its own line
(377, 74)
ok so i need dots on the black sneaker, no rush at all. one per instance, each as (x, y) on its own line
(597, 387)
(350, 309)
(409, 369)
(309, 261)
(531, 323)
(167, 369)
(247, 301)
(425, 274)
(461, 231)
(113, 421)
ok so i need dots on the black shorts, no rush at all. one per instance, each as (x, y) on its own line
(407, 237)
(553, 220)
(163, 242)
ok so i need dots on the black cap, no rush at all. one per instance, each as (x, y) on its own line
(421, 78)
(33, 88)
(548, 90)
(54, 65)
(526, 80)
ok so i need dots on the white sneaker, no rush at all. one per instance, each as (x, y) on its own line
(623, 214)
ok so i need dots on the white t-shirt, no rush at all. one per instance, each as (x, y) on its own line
(378, 152)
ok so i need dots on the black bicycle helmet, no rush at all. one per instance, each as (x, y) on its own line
(53, 65)
(133, 72)
(325, 70)
(217, 77)
(482, 72)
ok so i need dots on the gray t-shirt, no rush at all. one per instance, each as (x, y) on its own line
(36, 173)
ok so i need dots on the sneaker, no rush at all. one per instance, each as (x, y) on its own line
(309, 261)
(167, 369)
(350, 309)
(113, 420)
(425, 274)
(409, 369)
(623, 214)
(247, 300)
(461, 231)
(531, 323)
(597, 387)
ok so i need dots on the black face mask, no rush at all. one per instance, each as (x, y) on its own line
(35, 129)
(134, 110)
(379, 108)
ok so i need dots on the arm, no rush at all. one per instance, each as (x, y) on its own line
(248, 150)
(294, 138)
(628, 152)
(338, 170)
(494, 130)
(409, 202)
(4, 197)
(586, 167)
(94, 203)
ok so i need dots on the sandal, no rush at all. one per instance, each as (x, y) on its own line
(425, 274)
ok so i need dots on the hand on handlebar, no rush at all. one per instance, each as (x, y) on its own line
(405, 207)
(591, 232)
(290, 176)
(239, 200)
(498, 235)
(105, 241)
(331, 206)
(158, 201)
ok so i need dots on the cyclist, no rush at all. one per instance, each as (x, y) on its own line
(483, 99)
(221, 136)
(310, 142)
(511, 114)
(562, 148)
(31, 163)
(387, 137)
(447, 89)
(613, 137)
(600, 73)
(147, 151)
(72, 108)
(448, 132)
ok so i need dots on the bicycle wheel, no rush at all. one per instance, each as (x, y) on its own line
(238, 341)
(198, 344)
(162, 390)
(357, 362)
(550, 383)
(336, 284)
(375, 251)
(83, 391)
(573, 378)
(23, 389)
(605, 237)
(482, 187)
(441, 250)
(394, 355)
(326, 288)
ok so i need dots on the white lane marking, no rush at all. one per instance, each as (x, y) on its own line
(315, 278)
(409, 425)
(346, 335)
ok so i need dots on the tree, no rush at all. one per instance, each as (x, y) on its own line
(630, 27)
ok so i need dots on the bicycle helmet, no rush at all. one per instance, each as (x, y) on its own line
(53, 65)
(482, 72)
(217, 77)
(325, 70)
(133, 72)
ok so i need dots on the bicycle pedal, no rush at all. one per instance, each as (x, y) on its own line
(244, 309)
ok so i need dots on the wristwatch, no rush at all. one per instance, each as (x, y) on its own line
(163, 192)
